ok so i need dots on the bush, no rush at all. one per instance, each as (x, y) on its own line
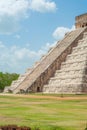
(6, 79)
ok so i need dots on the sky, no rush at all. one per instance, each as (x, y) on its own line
(29, 28)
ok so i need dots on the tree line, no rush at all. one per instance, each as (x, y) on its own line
(6, 79)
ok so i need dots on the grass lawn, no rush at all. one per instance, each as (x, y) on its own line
(45, 113)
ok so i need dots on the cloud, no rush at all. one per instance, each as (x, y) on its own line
(18, 59)
(17, 36)
(12, 11)
(18, 7)
(61, 31)
(8, 25)
(1, 45)
(42, 5)
(13, 7)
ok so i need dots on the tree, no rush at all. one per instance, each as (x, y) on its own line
(6, 79)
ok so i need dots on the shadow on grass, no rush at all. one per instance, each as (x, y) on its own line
(15, 127)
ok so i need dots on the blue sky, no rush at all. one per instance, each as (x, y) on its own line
(28, 28)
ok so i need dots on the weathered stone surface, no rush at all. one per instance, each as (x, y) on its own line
(81, 21)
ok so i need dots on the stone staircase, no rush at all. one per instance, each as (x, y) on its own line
(16, 83)
(72, 77)
(61, 68)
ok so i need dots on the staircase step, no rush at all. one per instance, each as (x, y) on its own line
(70, 58)
(67, 77)
(66, 80)
(63, 88)
(78, 53)
(21, 78)
(82, 44)
(74, 66)
(70, 70)
(75, 51)
(80, 47)
(85, 34)
(75, 62)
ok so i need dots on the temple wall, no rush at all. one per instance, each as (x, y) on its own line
(81, 21)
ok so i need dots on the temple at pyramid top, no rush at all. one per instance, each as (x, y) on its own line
(81, 21)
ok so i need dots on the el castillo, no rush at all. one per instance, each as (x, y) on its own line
(62, 70)
(52, 95)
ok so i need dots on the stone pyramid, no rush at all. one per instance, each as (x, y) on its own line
(62, 70)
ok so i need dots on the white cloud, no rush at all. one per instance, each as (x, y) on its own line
(61, 31)
(13, 7)
(18, 59)
(18, 7)
(42, 5)
(12, 11)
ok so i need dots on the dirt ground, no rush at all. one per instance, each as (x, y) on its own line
(71, 97)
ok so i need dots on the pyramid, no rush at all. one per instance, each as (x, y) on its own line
(62, 70)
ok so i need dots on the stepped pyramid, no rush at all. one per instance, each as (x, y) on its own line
(62, 70)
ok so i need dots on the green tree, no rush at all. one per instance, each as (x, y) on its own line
(6, 79)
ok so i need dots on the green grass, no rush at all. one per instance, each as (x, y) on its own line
(46, 114)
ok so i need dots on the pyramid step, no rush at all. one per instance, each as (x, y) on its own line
(6, 90)
(74, 66)
(81, 47)
(63, 77)
(17, 82)
(82, 43)
(63, 81)
(78, 53)
(75, 62)
(14, 85)
(63, 85)
(81, 50)
(21, 78)
(12, 88)
(64, 88)
(68, 73)
(76, 57)
(14, 82)
(85, 34)
(70, 70)
(82, 40)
